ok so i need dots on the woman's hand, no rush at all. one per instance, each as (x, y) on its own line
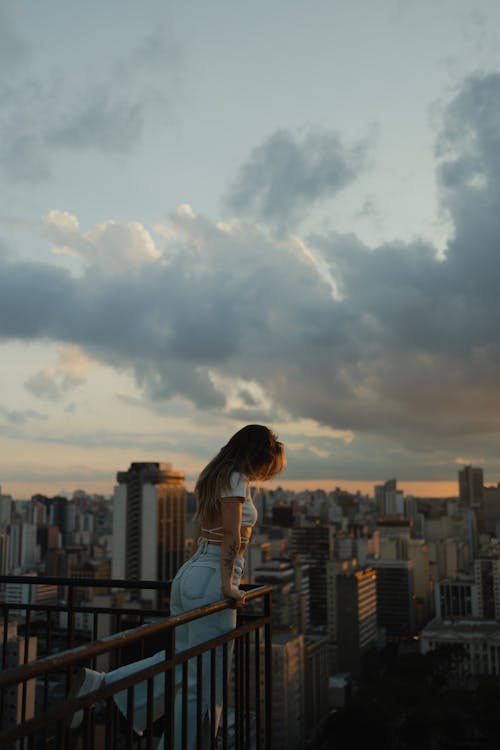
(238, 595)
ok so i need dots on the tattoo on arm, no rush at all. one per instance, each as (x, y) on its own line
(229, 560)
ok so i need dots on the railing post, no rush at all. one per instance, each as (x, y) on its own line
(27, 627)
(50, 726)
(268, 671)
(247, 691)
(225, 679)
(4, 659)
(238, 718)
(169, 678)
(71, 616)
(258, 706)
(213, 675)
(199, 698)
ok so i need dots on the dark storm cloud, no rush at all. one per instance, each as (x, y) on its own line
(177, 318)
(428, 351)
(285, 176)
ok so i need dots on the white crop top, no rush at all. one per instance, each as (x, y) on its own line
(239, 487)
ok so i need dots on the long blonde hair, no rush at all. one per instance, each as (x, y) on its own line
(254, 451)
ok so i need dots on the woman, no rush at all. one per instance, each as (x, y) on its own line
(226, 516)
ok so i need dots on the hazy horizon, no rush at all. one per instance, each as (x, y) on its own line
(417, 489)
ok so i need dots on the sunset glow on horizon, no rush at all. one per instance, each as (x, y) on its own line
(24, 490)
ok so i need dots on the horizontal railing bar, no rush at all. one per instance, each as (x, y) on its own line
(111, 689)
(237, 632)
(88, 699)
(94, 582)
(116, 641)
(66, 609)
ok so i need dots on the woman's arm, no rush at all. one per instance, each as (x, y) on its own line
(231, 510)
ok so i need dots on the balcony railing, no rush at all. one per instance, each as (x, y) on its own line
(34, 709)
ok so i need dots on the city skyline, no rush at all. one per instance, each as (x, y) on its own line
(420, 489)
(361, 591)
(217, 215)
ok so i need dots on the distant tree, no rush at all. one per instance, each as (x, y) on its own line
(486, 708)
(446, 662)
(411, 707)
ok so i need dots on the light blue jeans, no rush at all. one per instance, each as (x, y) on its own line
(196, 584)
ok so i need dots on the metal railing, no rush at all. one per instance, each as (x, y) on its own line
(55, 623)
(178, 683)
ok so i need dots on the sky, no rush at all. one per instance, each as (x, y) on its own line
(214, 214)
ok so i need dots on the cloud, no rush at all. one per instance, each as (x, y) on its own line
(461, 461)
(21, 416)
(40, 475)
(14, 51)
(212, 302)
(43, 385)
(99, 123)
(42, 118)
(404, 361)
(109, 247)
(23, 155)
(285, 176)
(158, 52)
(71, 370)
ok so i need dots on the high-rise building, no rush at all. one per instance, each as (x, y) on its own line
(389, 500)
(4, 553)
(487, 579)
(290, 582)
(344, 546)
(448, 558)
(396, 543)
(471, 486)
(395, 597)
(148, 522)
(472, 531)
(36, 513)
(457, 598)
(356, 617)
(17, 652)
(395, 527)
(418, 552)
(57, 563)
(316, 677)
(24, 552)
(60, 512)
(315, 545)
(411, 508)
(257, 553)
(333, 569)
(6, 502)
(489, 516)
(288, 725)
(48, 538)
